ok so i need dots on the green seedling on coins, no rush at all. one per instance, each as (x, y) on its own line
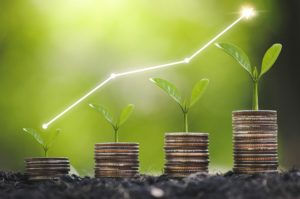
(240, 56)
(115, 123)
(184, 103)
(45, 141)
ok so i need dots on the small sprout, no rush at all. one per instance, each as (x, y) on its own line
(268, 61)
(115, 123)
(45, 143)
(184, 103)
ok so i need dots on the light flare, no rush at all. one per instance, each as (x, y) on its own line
(248, 12)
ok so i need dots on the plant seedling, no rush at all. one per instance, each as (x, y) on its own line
(45, 143)
(115, 123)
(240, 56)
(184, 103)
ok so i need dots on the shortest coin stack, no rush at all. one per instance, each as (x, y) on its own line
(186, 153)
(116, 160)
(255, 142)
(46, 168)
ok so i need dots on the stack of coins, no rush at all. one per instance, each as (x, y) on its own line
(116, 160)
(186, 153)
(255, 142)
(46, 168)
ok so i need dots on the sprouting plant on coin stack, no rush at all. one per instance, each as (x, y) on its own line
(184, 103)
(47, 142)
(240, 56)
(115, 123)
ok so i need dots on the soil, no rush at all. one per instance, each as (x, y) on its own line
(229, 185)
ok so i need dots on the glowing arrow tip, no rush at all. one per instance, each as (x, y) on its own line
(248, 12)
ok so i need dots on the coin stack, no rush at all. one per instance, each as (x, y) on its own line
(186, 153)
(255, 142)
(116, 160)
(46, 168)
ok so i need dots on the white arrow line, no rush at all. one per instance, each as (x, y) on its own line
(115, 75)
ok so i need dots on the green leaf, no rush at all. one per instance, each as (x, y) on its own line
(125, 114)
(104, 111)
(169, 88)
(52, 138)
(238, 54)
(270, 57)
(35, 135)
(198, 91)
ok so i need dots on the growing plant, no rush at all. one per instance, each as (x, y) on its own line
(184, 103)
(115, 123)
(46, 143)
(240, 56)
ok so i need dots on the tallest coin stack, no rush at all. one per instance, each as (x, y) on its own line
(255, 141)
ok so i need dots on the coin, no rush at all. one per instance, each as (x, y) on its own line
(46, 168)
(116, 173)
(186, 153)
(185, 161)
(116, 160)
(255, 141)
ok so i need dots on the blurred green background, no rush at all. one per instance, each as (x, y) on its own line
(53, 52)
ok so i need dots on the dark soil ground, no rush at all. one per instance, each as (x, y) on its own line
(283, 185)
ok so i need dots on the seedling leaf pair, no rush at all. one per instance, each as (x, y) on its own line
(240, 56)
(184, 103)
(45, 143)
(115, 123)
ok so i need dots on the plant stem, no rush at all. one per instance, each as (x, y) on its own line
(116, 135)
(46, 152)
(186, 125)
(255, 96)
